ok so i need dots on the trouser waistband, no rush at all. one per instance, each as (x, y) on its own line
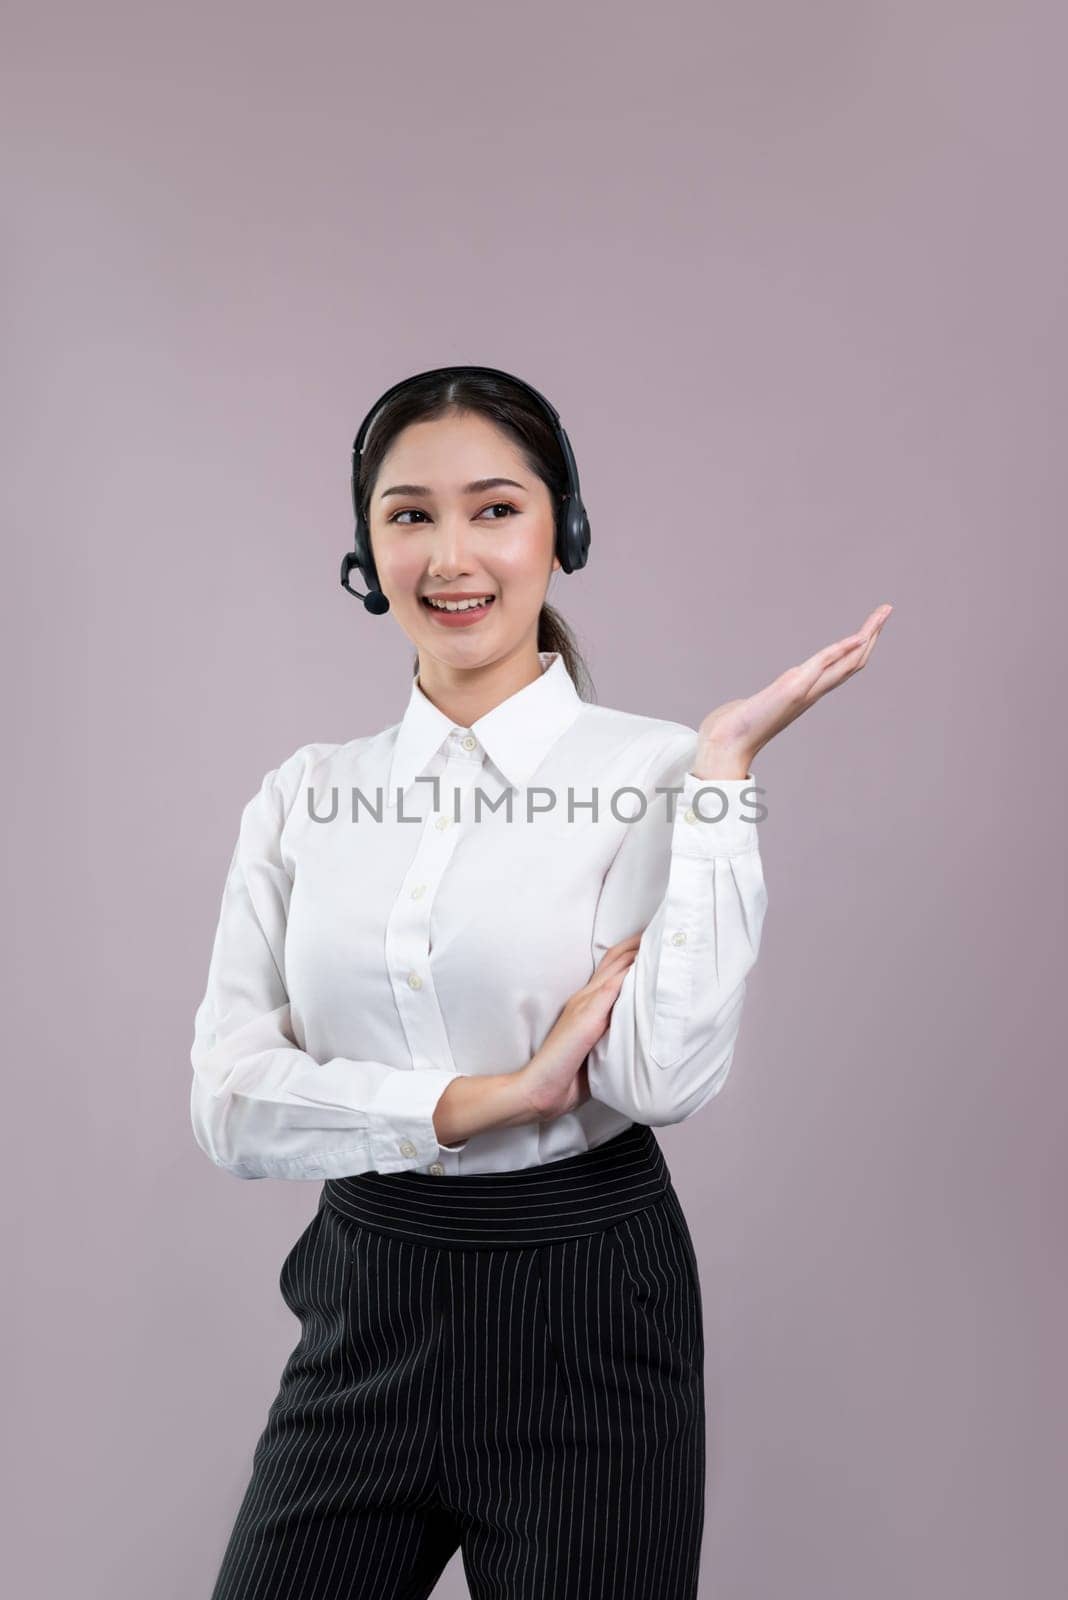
(579, 1195)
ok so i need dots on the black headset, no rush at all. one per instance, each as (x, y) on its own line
(572, 523)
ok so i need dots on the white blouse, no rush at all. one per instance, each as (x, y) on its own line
(419, 903)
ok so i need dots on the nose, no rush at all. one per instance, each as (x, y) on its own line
(450, 553)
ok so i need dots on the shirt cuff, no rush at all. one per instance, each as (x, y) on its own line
(697, 831)
(404, 1111)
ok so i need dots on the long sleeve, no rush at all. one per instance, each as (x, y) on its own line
(696, 890)
(261, 1106)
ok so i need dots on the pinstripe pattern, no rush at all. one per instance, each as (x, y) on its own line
(537, 1402)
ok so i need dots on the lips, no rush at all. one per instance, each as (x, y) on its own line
(467, 617)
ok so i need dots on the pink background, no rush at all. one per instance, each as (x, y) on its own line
(795, 278)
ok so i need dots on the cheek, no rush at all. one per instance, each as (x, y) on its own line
(400, 568)
(524, 567)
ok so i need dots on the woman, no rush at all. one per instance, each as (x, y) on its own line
(501, 1340)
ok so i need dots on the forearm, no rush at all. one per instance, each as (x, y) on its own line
(673, 1028)
(473, 1103)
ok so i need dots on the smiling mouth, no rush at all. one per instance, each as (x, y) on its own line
(458, 607)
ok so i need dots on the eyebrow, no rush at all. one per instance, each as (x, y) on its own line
(471, 488)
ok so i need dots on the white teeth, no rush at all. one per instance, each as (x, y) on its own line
(458, 605)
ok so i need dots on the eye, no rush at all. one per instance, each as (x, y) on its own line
(498, 505)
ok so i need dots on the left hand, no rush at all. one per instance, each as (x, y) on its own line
(730, 736)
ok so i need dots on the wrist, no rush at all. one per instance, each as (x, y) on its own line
(474, 1103)
(721, 761)
(519, 1097)
(481, 1101)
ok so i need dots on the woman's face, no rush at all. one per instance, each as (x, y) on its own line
(440, 526)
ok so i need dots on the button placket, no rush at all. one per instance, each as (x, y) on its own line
(407, 940)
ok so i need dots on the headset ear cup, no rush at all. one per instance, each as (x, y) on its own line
(574, 544)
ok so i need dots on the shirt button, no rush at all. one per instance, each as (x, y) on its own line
(469, 743)
(442, 822)
(407, 1148)
(414, 981)
(689, 815)
(678, 938)
(419, 891)
(437, 1169)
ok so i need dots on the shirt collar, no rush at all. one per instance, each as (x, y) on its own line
(517, 735)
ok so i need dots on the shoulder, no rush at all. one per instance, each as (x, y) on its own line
(313, 765)
(651, 746)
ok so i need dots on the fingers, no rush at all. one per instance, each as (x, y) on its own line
(611, 982)
(865, 635)
(831, 655)
(830, 667)
(614, 964)
(868, 635)
(875, 632)
(872, 628)
(618, 964)
(630, 942)
(870, 631)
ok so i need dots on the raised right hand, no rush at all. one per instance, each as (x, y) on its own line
(555, 1078)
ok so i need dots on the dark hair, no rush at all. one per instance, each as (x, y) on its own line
(514, 411)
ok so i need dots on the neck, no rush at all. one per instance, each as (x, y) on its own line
(463, 694)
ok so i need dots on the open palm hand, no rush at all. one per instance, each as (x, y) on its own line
(731, 735)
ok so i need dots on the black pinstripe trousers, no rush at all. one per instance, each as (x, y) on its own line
(508, 1363)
